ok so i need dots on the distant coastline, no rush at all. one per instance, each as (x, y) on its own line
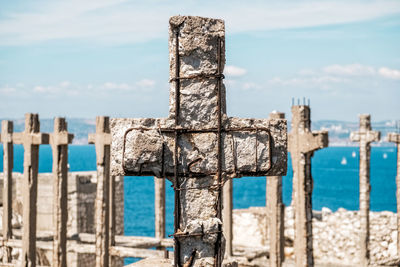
(339, 131)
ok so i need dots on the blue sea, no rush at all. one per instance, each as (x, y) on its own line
(334, 169)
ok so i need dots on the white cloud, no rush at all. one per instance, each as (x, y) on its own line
(116, 86)
(7, 90)
(118, 21)
(250, 86)
(351, 70)
(146, 83)
(234, 71)
(45, 89)
(389, 73)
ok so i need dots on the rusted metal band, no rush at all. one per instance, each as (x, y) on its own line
(208, 130)
(201, 76)
(183, 235)
(190, 173)
(218, 249)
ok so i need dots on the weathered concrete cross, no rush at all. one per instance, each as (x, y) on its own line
(7, 128)
(395, 138)
(302, 144)
(198, 147)
(365, 136)
(59, 141)
(102, 141)
(31, 138)
(276, 213)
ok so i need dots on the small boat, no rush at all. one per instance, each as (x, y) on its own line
(384, 155)
(353, 154)
(344, 161)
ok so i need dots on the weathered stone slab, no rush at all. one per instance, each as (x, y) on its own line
(261, 151)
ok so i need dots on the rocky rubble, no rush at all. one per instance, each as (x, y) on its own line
(335, 234)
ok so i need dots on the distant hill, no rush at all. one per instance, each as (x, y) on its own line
(339, 131)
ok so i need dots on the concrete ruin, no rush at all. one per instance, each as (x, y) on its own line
(197, 147)
(365, 136)
(302, 144)
(275, 213)
(395, 138)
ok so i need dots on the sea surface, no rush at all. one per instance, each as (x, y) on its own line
(334, 169)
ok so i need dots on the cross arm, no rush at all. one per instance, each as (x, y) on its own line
(31, 138)
(394, 137)
(62, 138)
(308, 141)
(97, 138)
(370, 136)
(251, 147)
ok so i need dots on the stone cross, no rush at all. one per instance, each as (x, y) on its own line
(102, 141)
(198, 147)
(31, 138)
(276, 213)
(8, 156)
(59, 141)
(365, 136)
(395, 138)
(302, 144)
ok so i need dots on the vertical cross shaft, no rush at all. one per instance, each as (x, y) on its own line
(395, 138)
(102, 141)
(59, 141)
(206, 213)
(30, 139)
(365, 136)
(8, 152)
(159, 207)
(227, 197)
(302, 143)
(275, 212)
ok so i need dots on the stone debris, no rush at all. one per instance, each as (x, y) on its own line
(335, 235)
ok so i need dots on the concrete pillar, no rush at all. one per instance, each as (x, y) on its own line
(102, 141)
(365, 136)
(159, 207)
(395, 138)
(8, 161)
(59, 141)
(31, 139)
(275, 212)
(302, 143)
(227, 197)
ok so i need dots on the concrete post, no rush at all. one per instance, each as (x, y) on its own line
(302, 143)
(31, 139)
(275, 212)
(102, 141)
(8, 161)
(395, 138)
(59, 141)
(159, 207)
(365, 136)
(227, 197)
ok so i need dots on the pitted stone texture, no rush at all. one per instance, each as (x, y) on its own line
(144, 148)
(198, 45)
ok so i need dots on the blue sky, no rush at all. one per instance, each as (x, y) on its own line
(87, 58)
